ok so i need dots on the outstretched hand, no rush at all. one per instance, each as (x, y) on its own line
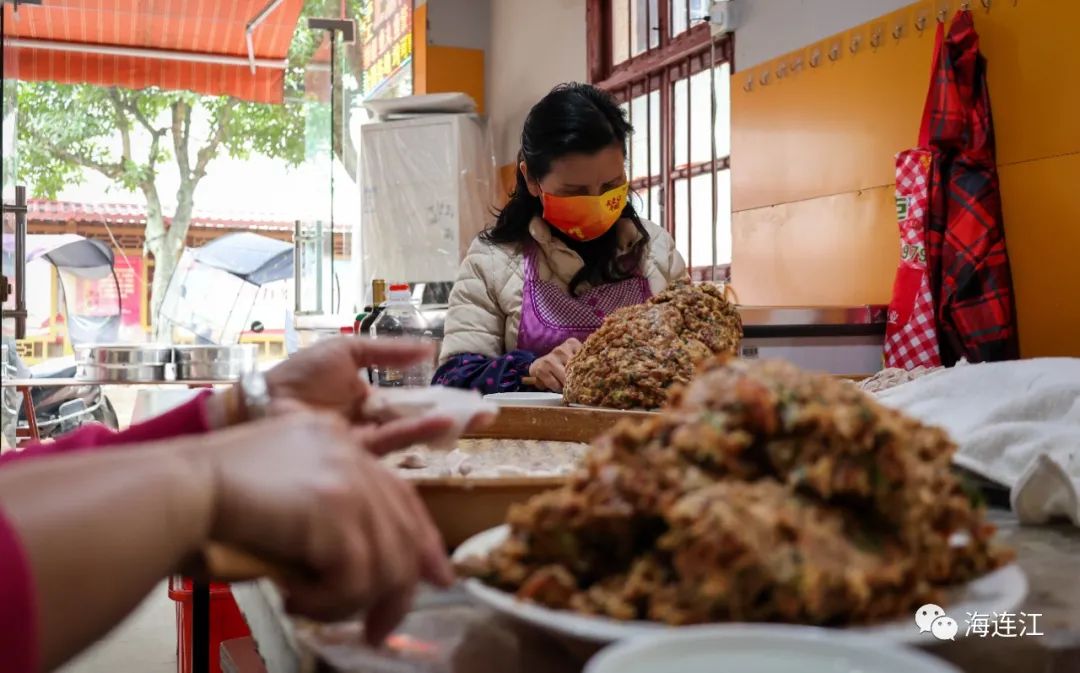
(326, 376)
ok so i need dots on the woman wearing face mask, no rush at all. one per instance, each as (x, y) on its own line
(566, 251)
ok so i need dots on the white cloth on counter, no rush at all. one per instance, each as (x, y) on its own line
(1016, 423)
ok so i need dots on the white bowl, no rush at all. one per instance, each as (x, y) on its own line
(765, 648)
(526, 399)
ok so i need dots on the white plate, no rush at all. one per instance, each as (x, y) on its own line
(763, 648)
(1001, 591)
(526, 399)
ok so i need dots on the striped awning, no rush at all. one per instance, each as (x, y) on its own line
(235, 47)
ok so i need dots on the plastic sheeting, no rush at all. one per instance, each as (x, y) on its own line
(253, 258)
(207, 304)
(89, 288)
(84, 257)
(429, 188)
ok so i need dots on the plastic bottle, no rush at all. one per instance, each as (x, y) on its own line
(378, 300)
(371, 314)
(401, 318)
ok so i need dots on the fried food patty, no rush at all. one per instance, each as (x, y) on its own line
(641, 351)
(760, 492)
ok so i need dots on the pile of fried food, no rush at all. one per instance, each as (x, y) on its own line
(760, 493)
(641, 351)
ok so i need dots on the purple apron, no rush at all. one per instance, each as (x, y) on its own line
(550, 316)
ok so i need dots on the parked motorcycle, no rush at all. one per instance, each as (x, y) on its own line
(60, 409)
(57, 409)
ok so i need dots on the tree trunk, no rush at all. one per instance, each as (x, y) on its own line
(167, 250)
(166, 257)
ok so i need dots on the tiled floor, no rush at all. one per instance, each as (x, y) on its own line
(146, 641)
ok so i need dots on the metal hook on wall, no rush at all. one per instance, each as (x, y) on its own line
(834, 52)
(898, 31)
(856, 42)
(986, 4)
(815, 58)
(749, 84)
(875, 39)
(797, 64)
(781, 71)
(920, 23)
(764, 79)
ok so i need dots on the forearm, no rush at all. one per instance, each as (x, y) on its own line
(99, 530)
(205, 412)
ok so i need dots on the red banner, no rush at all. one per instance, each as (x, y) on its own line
(99, 297)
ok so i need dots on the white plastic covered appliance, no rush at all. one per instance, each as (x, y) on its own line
(427, 191)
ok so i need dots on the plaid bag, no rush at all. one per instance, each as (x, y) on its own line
(911, 333)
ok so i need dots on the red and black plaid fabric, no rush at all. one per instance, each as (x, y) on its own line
(965, 242)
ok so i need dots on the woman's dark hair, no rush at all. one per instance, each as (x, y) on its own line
(572, 119)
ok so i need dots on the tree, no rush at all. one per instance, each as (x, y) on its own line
(66, 128)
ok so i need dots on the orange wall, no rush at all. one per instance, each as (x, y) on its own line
(507, 179)
(812, 163)
(456, 69)
(420, 49)
(440, 69)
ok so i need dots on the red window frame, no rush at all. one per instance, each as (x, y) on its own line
(658, 69)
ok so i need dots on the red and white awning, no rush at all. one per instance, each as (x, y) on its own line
(236, 48)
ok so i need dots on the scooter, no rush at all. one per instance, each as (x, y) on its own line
(57, 409)
(60, 409)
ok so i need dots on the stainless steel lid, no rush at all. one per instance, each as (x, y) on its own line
(125, 354)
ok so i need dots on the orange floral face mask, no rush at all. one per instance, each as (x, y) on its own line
(585, 218)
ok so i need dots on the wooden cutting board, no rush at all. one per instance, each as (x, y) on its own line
(557, 424)
(463, 507)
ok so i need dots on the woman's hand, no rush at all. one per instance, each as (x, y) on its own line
(325, 377)
(550, 370)
(301, 493)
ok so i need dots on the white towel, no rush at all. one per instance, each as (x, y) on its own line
(1016, 423)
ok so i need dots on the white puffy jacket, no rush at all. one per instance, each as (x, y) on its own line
(485, 304)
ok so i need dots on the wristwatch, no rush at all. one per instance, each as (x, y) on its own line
(255, 394)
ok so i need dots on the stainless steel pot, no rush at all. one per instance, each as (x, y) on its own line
(214, 363)
(125, 354)
(125, 373)
(124, 363)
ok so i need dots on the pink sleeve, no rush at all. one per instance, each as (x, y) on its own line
(189, 418)
(18, 613)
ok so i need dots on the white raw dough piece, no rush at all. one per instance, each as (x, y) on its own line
(412, 461)
(461, 406)
(479, 459)
(456, 460)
